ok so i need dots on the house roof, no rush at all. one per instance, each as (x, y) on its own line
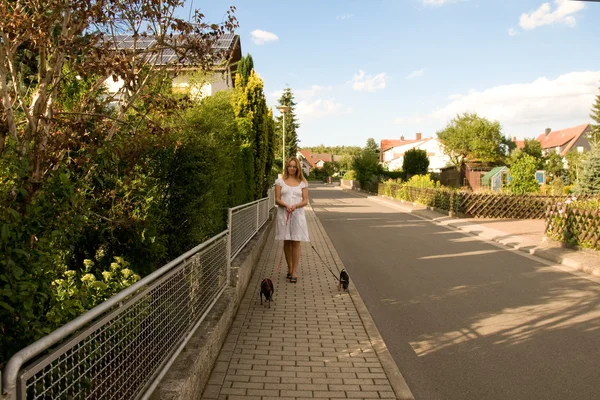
(386, 144)
(520, 143)
(306, 156)
(225, 48)
(312, 159)
(560, 138)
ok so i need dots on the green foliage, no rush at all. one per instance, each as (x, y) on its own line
(331, 168)
(394, 175)
(77, 291)
(589, 180)
(349, 151)
(554, 166)
(256, 132)
(594, 135)
(366, 167)
(291, 125)
(422, 182)
(533, 148)
(574, 161)
(469, 136)
(575, 222)
(415, 162)
(350, 175)
(244, 68)
(372, 145)
(523, 175)
(154, 191)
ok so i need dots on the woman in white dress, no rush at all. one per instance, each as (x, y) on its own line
(291, 195)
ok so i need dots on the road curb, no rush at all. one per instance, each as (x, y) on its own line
(397, 381)
(553, 254)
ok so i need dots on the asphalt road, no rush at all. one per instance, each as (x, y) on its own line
(466, 319)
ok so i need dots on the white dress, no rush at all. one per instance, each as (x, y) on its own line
(295, 227)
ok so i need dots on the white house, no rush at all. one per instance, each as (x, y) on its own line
(220, 77)
(392, 152)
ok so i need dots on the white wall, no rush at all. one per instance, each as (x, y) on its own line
(218, 81)
(394, 157)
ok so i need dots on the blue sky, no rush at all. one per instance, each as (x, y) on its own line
(391, 68)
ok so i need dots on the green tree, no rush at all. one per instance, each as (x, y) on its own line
(345, 163)
(554, 166)
(469, 136)
(366, 165)
(372, 145)
(589, 180)
(594, 136)
(523, 175)
(415, 162)
(574, 161)
(244, 68)
(291, 124)
(534, 149)
(250, 107)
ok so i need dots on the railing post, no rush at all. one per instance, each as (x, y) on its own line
(257, 216)
(229, 233)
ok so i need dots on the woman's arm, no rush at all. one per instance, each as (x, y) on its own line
(278, 200)
(304, 201)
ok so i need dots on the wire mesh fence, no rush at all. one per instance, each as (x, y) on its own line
(246, 220)
(123, 347)
(119, 355)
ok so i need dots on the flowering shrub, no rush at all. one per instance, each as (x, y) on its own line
(77, 292)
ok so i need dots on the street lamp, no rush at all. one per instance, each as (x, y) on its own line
(283, 110)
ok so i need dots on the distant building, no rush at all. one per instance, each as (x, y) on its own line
(565, 140)
(311, 160)
(392, 152)
(220, 77)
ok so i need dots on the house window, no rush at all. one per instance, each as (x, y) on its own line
(557, 150)
(540, 177)
(580, 149)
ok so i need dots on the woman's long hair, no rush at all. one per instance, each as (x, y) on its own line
(299, 175)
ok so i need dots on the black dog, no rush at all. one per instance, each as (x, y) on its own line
(267, 290)
(344, 280)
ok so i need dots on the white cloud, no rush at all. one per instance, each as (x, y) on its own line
(361, 81)
(344, 16)
(319, 108)
(262, 37)
(438, 3)
(416, 74)
(545, 16)
(513, 32)
(562, 101)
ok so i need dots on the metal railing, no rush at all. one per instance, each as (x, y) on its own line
(246, 219)
(122, 348)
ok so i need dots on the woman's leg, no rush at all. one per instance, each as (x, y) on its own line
(287, 250)
(295, 257)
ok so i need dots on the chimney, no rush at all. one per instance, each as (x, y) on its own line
(515, 139)
(402, 138)
(548, 131)
(419, 135)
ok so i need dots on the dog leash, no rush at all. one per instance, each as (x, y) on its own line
(321, 258)
(282, 252)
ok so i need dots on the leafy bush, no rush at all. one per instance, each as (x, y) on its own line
(415, 162)
(523, 175)
(350, 175)
(78, 291)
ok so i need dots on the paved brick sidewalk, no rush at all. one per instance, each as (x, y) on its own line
(314, 341)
